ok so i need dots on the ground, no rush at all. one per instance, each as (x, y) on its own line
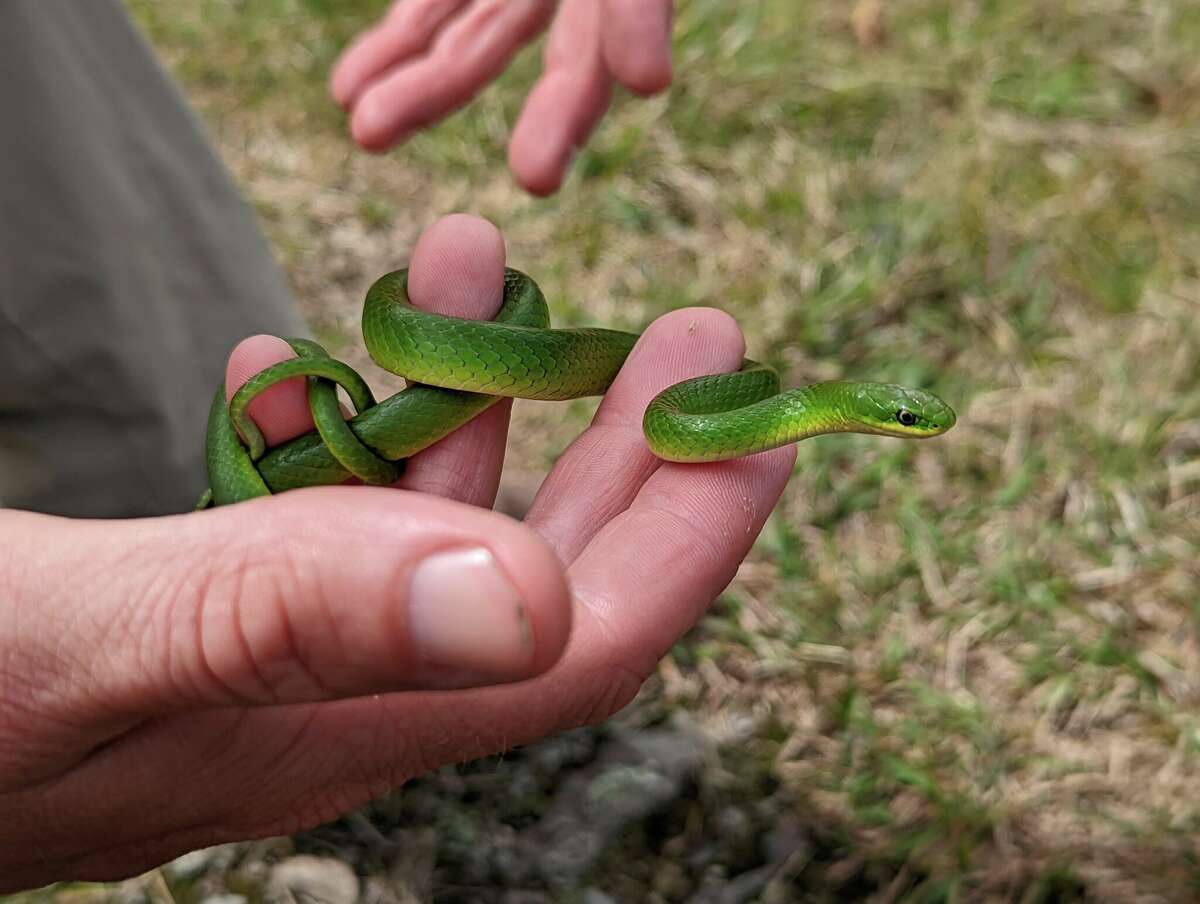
(965, 669)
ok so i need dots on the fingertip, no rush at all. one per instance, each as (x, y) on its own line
(342, 83)
(682, 344)
(281, 412)
(459, 610)
(539, 177)
(494, 612)
(474, 236)
(646, 80)
(692, 341)
(251, 355)
(342, 92)
(372, 125)
(541, 146)
(708, 327)
(457, 267)
(560, 114)
(637, 44)
(368, 56)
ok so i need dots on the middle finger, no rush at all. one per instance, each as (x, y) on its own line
(458, 269)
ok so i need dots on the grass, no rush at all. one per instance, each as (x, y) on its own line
(973, 662)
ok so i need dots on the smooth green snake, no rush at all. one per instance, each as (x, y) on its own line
(458, 368)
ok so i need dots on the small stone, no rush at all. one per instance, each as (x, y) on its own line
(315, 880)
(224, 899)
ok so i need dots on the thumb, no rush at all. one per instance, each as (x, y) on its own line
(311, 595)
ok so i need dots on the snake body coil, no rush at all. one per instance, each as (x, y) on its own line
(462, 367)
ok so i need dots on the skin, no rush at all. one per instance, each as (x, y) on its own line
(427, 58)
(221, 646)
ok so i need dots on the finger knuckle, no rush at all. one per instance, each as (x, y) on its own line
(245, 638)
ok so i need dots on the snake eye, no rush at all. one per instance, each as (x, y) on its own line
(906, 417)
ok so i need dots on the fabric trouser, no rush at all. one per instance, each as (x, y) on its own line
(129, 267)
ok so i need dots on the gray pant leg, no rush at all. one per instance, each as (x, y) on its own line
(129, 267)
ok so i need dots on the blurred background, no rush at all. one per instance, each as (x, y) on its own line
(958, 670)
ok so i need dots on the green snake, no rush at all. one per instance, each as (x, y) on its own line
(458, 368)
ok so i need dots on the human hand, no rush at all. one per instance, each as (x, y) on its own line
(172, 683)
(427, 58)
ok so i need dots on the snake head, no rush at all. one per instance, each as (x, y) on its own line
(892, 410)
